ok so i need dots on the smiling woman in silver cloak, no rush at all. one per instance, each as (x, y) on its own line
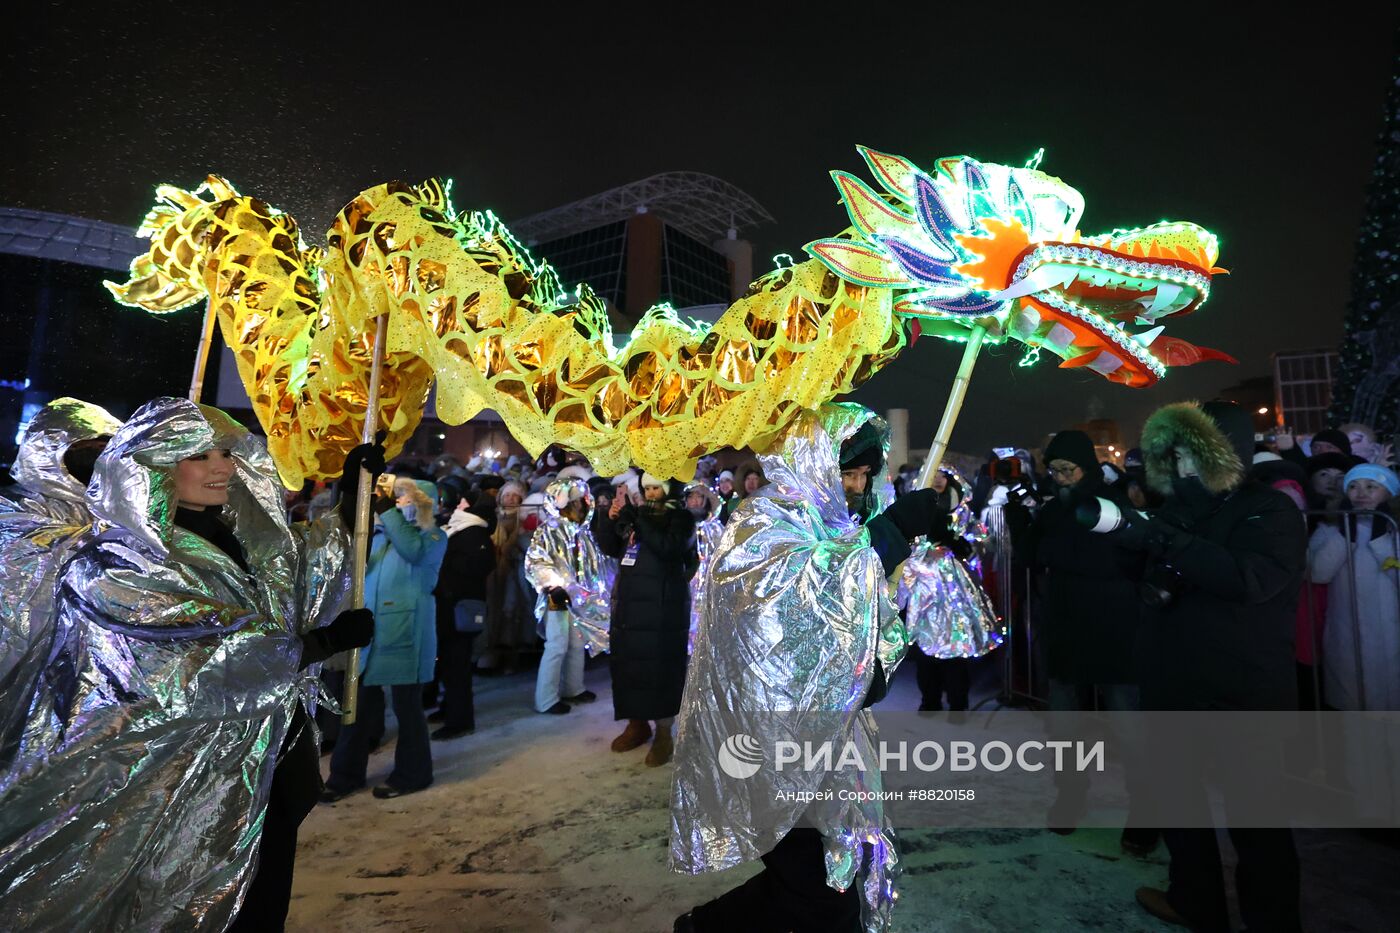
(182, 681)
(798, 636)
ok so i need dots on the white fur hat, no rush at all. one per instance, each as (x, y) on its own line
(577, 471)
(628, 480)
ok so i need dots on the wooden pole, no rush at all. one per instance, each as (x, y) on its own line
(362, 519)
(939, 446)
(201, 354)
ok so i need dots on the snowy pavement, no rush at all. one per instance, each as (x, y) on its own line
(534, 824)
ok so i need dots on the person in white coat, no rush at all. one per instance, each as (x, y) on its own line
(1361, 643)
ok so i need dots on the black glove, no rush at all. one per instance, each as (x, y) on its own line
(962, 548)
(1148, 534)
(626, 519)
(558, 597)
(918, 513)
(371, 457)
(879, 687)
(353, 628)
(889, 542)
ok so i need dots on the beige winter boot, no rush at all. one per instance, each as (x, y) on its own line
(634, 736)
(661, 748)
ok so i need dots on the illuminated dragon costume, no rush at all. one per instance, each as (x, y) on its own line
(969, 243)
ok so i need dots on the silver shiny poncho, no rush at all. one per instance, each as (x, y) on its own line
(707, 534)
(947, 612)
(563, 554)
(174, 687)
(42, 520)
(796, 613)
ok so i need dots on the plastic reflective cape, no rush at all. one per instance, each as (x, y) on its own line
(42, 519)
(707, 534)
(174, 688)
(947, 612)
(796, 613)
(562, 553)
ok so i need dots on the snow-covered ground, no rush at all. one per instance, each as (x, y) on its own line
(534, 824)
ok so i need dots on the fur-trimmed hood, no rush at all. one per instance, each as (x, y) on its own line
(1187, 425)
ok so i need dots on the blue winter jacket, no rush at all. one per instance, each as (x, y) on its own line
(402, 572)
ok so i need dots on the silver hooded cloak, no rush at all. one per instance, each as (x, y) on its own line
(42, 519)
(174, 689)
(947, 612)
(563, 553)
(797, 611)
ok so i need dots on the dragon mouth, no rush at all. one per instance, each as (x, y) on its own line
(995, 250)
(1084, 300)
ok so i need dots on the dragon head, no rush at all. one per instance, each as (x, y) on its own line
(976, 243)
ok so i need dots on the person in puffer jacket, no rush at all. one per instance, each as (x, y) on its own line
(1224, 561)
(654, 545)
(461, 607)
(405, 555)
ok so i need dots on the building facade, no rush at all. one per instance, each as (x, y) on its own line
(671, 238)
(1303, 388)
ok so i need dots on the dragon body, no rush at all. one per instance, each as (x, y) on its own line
(471, 313)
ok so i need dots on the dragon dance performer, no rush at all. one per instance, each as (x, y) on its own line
(574, 579)
(42, 520)
(948, 614)
(183, 755)
(798, 638)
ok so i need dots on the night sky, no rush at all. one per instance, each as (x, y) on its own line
(1261, 131)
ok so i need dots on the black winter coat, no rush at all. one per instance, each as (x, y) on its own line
(469, 561)
(650, 609)
(1092, 611)
(1226, 641)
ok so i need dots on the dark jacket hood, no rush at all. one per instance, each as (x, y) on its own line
(1219, 436)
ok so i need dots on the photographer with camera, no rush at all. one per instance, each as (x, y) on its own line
(1224, 563)
(1090, 613)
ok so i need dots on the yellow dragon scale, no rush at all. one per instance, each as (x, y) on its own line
(469, 310)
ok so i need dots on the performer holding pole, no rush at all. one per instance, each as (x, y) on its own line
(192, 621)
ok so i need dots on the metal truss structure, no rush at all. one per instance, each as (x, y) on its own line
(699, 205)
(43, 235)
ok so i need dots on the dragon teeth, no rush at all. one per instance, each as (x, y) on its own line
(1167, 294)
(1146, 337)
